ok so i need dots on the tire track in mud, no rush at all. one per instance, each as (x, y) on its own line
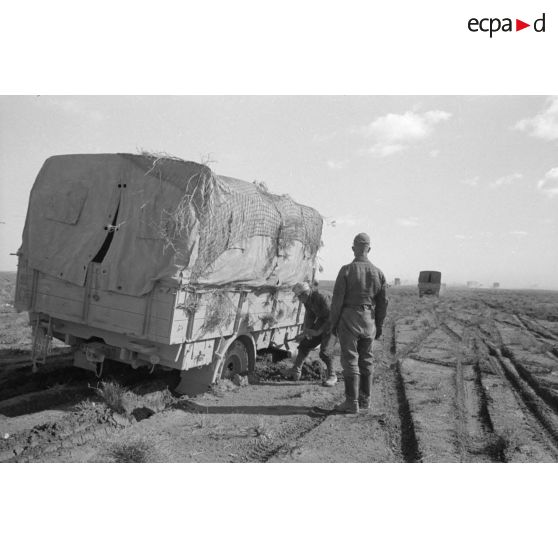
(265, 448)
(474, 425)
(47, 390)
(495, 447)
(413, 346)
(37, 401)
(522, 326)
(23, 362)
(547, 393)
(519, 435)
(535, 329)
(416, 445)
(54, 438)
(22, 390)
(496, 417)
(548, 396)
(455, 336)
(497, 414)
(461, 427)
(409, 443)
(473, 438)
(24, 394)
(521, 322)
(458, 410)
(529, 397)
(20, 378)
(520, 422)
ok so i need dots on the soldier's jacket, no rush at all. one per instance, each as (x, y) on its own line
(358, 284)
(317, 310)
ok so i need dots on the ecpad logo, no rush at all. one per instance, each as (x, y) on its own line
(493, 25)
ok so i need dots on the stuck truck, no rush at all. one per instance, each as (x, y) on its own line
(156, 261)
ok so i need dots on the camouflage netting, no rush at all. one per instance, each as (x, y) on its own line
(171, 219)
(229, 212)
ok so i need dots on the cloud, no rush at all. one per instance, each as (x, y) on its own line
(519, 233)
(505, 180)
(407, 221)
(543, 125)
(434, 153)
(462, 237)
(393, 133)
(336, 165)
(344, 221)
(549, 183)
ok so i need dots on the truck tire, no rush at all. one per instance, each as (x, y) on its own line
(236, 360)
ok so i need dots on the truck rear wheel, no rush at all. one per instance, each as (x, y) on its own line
(236, 360)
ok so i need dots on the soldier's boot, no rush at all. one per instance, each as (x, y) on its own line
(350, 405)
(295, 372)
(331, 378)
(364, 399)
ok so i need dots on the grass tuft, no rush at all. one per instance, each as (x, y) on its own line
(114, 396)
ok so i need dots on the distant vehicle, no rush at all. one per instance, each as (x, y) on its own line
(397, 282)
(429, 283)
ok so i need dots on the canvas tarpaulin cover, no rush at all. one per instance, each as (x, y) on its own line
(146, 218)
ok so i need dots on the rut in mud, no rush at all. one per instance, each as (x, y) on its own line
(480, 384)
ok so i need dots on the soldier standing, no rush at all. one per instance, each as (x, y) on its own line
(316, 330)
(358, 309)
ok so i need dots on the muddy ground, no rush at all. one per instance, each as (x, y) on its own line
(471, 376)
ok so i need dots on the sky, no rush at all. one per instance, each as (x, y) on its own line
(464, 185)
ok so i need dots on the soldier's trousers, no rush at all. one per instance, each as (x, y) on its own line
(356, 331)
(326, 342)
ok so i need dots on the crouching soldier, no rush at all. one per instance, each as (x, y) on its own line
(316, 330)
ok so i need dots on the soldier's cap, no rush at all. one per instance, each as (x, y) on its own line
(301, 288)
(361, 238)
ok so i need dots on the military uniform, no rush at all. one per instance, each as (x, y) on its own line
(358, 310)
(317, 317)
(316, 320)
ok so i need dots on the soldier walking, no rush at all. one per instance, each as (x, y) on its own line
(358, 310)
(316, 330)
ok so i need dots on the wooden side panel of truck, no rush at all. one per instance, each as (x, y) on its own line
(175, 327)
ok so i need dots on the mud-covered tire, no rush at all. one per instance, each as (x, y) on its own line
(236, 360)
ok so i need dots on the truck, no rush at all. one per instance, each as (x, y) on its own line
(154, 261)
(429, 283)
